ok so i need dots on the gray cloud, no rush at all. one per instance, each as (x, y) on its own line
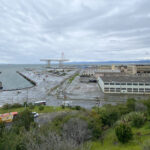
(84, 30)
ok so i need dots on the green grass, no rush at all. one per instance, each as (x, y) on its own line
(47, 109)
(110, 141)
(72, 78)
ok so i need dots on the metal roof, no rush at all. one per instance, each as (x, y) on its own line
(125, 79)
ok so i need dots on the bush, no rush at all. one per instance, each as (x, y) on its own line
(63, 106)
(77, 130)
(95, 126)
(108, 115)
(147, 104)
(2, 128)
(77, 107)
(131, 104)
(16, 105)
(21, 146)
(138, 120)
(41, 107)
(6, 106)
(24, 119)
(123, 132)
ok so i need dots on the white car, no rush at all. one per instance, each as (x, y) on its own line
(35, 114)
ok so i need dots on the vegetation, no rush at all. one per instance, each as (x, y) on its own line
(120, 127)
(123, 132)
(73, 77)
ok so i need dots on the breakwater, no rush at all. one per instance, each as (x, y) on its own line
(31, 81)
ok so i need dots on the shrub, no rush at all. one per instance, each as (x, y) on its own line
(77, 130)
(77, 107)
(138, 120)
(131, 104)
(63, 106)
(16, 105)
(21, 146)
(2, 128)
(41, 107)
(147, 104)
(6, 106)
(123, 132)
(108, 115)
(95, 126)
(24, 119)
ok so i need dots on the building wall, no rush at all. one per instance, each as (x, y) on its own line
(132, 88)
(143, 68)
(101, 83)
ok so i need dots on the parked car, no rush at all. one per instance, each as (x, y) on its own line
(40, 103)
(35, 114)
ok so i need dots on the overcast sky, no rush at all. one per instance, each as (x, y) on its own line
(85, 30)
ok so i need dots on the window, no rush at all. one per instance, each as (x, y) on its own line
(117, 83)
(135, 83)
(123, 83)
(141, 90)
(147, 90)
(117, 89)
(129, 89)
(123, 89)
(135, 90)
(111, 83)
(147, 84)
(106, 83)
(112, 89)
(129, 83)
(106, 89)
(141, 83)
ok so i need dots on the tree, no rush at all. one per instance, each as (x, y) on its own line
(24, 119)
(131, 104)
(77, 130)
(123, 132)
(147, 104)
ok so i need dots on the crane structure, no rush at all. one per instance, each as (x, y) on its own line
(60, 60)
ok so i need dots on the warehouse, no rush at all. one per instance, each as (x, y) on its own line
(125, 84)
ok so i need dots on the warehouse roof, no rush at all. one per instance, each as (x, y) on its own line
(125, 79)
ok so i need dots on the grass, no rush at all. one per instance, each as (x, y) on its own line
(110, 141)
(72, 78)
(47, 109)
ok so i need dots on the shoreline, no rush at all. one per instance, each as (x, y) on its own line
(18, 89)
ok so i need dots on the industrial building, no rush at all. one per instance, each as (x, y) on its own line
(143, 68)
(125, 84)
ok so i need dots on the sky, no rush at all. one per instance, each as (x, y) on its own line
(84, 30)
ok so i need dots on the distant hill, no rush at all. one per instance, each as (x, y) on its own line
(109, 62)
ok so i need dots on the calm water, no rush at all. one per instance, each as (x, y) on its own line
(12, 80)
